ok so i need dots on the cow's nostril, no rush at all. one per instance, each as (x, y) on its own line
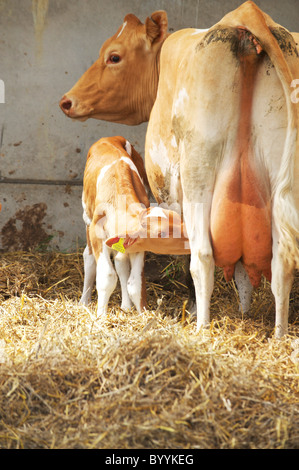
(66, 104)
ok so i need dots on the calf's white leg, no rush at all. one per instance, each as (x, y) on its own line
(136, 287)
(106, 280)
(89, 275)
(123, 267)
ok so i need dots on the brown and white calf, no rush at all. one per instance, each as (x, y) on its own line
(120, 224)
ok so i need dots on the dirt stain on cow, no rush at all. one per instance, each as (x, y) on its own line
(24, 230)
(239, 46)
(285, 41)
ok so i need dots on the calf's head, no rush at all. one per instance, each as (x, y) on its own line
(157, 230)
(121, 85)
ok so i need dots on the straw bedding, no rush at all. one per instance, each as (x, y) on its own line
(145, 380)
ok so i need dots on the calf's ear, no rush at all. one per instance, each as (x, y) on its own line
(122, 244)
(156, 26)
(116, 244)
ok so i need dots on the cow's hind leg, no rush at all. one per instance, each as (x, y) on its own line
(281, 284)
(202, 264)
(123, 268)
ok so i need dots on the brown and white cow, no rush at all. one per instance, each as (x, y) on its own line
(222, 139)
(120, 223)
(231, 136)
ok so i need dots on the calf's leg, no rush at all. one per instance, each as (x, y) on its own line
(136, 282)
(106, 280)
(123, 267)
(89, 275)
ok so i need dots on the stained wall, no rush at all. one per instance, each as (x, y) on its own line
(45, 46)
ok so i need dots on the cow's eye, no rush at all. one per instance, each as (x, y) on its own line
(114, 59)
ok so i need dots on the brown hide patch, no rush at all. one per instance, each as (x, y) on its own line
(25, 230)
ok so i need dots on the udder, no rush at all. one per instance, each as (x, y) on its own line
(241, 221)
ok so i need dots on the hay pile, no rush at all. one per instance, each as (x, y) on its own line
(140, 381)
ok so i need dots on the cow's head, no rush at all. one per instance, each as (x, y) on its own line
(121, 85)
(157, 230)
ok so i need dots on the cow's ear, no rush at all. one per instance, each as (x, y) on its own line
(131, 19)
(156, 26)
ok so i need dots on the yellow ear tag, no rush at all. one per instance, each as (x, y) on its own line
(119, 246)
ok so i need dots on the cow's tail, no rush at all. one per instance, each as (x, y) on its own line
(285, 212)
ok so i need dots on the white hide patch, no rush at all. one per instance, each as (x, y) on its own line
(104, 171)
(123, 27)
(174, 142)
(128, 148)
(85, 216)
(105, 168)
(198, 31)
(182, 98)
(156, 212)
(159, 156)
(129, 162)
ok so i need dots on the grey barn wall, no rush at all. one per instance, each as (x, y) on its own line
(45, 46)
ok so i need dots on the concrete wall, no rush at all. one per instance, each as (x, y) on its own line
(45, 46)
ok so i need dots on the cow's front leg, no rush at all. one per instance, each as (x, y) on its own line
(106, 280)
(136, 282)
(196, 216)
(89, 275)
(281, 284)
(123, 267)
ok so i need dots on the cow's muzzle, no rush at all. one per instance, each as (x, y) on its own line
(65, 104)
(68, 106)
(73, 109)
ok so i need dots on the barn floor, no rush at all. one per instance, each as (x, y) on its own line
(140, 381)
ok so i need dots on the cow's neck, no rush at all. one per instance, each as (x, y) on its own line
(151, 87)
(148, 94)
